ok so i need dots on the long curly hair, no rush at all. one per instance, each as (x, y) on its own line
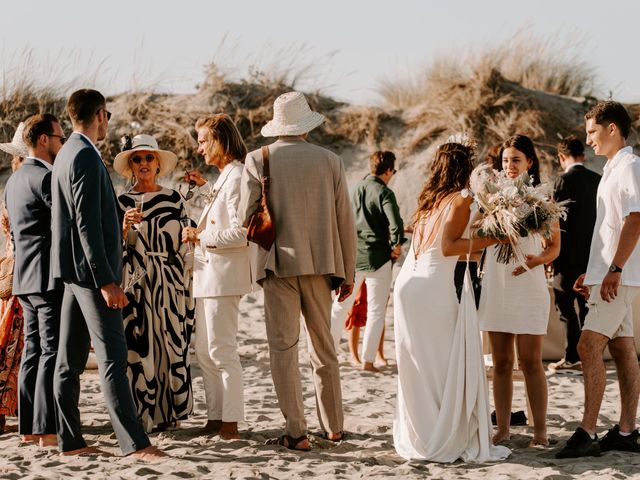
(450, 172)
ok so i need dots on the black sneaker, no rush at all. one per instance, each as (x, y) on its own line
(580, 445)
(614, 441)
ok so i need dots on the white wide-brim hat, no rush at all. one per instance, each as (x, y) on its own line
(17, 147)
(146, 143)
(291, 116)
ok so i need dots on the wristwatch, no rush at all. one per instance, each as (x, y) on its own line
(614, 268)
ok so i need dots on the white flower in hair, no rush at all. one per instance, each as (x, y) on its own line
(461, 138)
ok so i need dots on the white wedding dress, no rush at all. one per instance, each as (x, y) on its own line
(442, 411)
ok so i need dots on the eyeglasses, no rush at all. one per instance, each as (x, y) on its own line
(138, 158)
(61, 137)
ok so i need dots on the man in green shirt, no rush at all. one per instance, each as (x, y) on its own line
(380, 236)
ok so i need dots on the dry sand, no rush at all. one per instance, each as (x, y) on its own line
(369, 402)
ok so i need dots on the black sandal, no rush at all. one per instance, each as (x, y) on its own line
(289, 442)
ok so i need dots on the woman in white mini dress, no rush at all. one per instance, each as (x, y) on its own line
(442, 412)
(515, 304)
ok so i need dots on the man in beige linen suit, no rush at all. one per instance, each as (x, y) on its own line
(314, 252)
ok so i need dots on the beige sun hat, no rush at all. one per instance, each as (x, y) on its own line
(17, 147)
(147, 143)
(291, 116)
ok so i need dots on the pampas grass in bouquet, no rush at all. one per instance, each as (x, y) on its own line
(513, 208)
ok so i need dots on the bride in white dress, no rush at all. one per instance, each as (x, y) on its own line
(442, 412)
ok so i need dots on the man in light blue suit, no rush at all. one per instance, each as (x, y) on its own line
(28, 201)
(87, 256)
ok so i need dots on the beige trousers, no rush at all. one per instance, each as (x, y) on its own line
(284, 300)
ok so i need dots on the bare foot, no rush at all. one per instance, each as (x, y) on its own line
(382, 361)
(48, 440)
(369, 367)
(334, 437)
(303, 445)
(83, 451)
(229, 431)
(149, 454)
(500, 437)
(356, 361)
(539, 441)
(29, 438)
(212, 427)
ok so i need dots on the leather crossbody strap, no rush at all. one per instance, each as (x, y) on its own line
(265, 161)
(265, 169)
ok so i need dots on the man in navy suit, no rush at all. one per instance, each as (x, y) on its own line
(28, 201)
(86, 254)
(579, 185)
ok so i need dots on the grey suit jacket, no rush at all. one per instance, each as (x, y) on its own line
(309, 199)
(28, 201)
(86, 226)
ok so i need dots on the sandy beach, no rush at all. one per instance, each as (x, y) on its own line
(369, 403)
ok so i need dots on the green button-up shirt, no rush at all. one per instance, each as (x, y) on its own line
(378, 222)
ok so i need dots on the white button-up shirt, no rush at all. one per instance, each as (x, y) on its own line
(618, 196)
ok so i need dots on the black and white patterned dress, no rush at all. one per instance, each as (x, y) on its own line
(159, 318)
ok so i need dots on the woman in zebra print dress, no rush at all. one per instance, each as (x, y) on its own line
(160, 315)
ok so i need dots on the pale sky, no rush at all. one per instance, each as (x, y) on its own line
(119, 45)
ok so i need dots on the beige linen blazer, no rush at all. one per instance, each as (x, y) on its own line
(309, 200)
(221, 262)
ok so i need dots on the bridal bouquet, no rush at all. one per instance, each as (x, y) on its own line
(513, 208)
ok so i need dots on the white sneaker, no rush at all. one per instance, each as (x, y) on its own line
(563, 366)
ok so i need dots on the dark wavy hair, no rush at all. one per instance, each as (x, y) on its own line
(450, 172)
(525, 145)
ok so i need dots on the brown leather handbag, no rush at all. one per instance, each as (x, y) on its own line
(260, 227)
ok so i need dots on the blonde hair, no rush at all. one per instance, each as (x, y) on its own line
(224, 131)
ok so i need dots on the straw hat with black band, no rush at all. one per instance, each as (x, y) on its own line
(144, 143)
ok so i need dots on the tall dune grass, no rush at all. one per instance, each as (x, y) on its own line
(491, 94)
(551, 64)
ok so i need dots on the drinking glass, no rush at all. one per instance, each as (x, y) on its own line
(188, 258)
(139, 204)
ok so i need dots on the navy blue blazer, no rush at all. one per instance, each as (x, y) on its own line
(86, 246)
(28, 200)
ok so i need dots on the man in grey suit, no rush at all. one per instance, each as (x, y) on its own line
(28, 201)
(314, 252)
(86, 253)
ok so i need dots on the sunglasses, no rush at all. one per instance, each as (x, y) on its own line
(189, 195)
(105, 111)
(61, 137)
(138, 158)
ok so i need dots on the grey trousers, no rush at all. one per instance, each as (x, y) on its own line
(284, 300)
(86, 318)
(36, 407)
